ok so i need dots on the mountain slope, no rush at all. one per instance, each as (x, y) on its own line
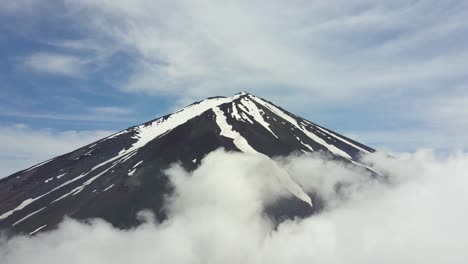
(118, 176)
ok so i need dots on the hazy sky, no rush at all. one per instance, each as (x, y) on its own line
(391, 74)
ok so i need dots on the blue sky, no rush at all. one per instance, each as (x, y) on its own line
(391, 74)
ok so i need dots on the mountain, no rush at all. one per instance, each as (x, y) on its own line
(120, 175)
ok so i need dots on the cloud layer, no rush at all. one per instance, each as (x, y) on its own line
(216, 216)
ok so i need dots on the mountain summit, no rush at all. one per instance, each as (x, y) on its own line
(120, 175)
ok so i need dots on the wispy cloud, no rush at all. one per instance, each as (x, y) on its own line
(201, 48)
(101, 115)
(433, 121)
(23, 146)
(449, 112)
(54, 63)
(322, 49)
(305, 56)
(407, 139)
(111, 110)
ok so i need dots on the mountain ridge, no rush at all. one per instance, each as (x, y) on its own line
(82, 183)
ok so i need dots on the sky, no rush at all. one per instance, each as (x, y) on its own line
(390, 74)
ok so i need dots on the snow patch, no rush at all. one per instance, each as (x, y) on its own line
(38, 165)
(255, 113)
(304, 144)
(88, 153)
(234, 112)
(74, 191)
(333, 149)
(37, 230)
(343, 140)
(78, 189)
(108, 188)
(227, 131)
(26, 217)
(138, 163)
(244, 116)
(119, 133)
(48, 180)
(60, 176)
(146, 133)
(242, 144)
(130, 173)
(22, 205)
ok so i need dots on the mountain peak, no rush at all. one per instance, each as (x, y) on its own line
(243, 93)
(123, 173)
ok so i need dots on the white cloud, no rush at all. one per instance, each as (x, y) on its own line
(434, 121)
(54, 63)
(111, 110)
(23, 146)
(323, 53)
(100, 114)
(300, 54)
(401, 139)
(22, 6)
(448, 112)
(322, 49)
(215, 216)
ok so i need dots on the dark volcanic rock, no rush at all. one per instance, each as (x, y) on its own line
(118, 176)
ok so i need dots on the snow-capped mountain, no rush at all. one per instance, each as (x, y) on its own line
(119, 175)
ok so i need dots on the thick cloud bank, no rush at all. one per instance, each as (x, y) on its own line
(417, 215)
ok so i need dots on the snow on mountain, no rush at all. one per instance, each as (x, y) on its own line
(114, 177)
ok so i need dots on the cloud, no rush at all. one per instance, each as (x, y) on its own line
(315, 58)
(434, 121)
(216, 216)
(100, 114)
(23, 146)
(54, 63)
(23, 6)
(198, 49)
(449, 111)
(329, 54)
(111, 110)
(442, 139)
